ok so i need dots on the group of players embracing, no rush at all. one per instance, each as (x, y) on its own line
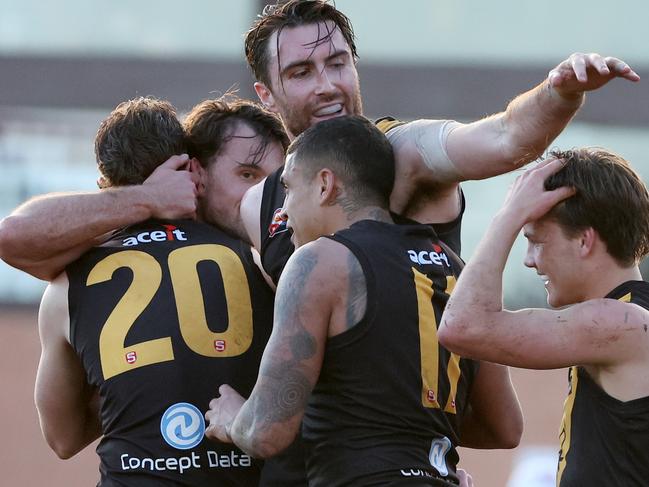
(281, 281)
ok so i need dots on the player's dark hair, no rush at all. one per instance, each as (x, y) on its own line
(610, 197)
(211, 125)
(355, 150)
(292, 13)
(137, 137)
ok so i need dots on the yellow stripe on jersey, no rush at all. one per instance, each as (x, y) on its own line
(566, 424)
(387, 124)
(626, 298)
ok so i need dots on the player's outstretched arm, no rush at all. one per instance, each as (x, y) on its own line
(437, 155)
(68, 408)
(521, 133)
(48, 232)
(494, 418)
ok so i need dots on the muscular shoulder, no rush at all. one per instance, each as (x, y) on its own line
(323, 259)
(328, 276)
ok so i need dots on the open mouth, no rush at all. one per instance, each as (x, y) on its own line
(335, 109)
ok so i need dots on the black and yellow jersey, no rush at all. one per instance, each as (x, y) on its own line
(160, 316)
(605, 441)
(276, 246)
(390, 399)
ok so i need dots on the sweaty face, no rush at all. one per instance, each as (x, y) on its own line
(556, 259)
(231, 172)
(301, 206)
(314, 78)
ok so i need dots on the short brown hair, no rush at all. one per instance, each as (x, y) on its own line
(137, 137)
(210, 125)
(293, 13)
(610, 197)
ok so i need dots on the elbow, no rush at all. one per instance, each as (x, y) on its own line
(511, 438)
(13, 249)
(8, 239)
(452, 333)
(63, 452)
(510, 431)
(62, 448)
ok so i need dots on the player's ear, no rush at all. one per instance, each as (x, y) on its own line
(265, 96)
(587, 240)
(329, 189)
(200, 174)
(101, 182)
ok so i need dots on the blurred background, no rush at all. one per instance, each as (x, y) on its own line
(64, 65)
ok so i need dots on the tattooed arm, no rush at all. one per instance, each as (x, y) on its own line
(321, 293)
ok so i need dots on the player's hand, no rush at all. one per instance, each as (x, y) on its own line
(587, 72)
(528, 199)
(465, 479)
(222, 412)
(172, 189)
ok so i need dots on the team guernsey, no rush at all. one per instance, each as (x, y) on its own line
(160, 316)
(605, 441)
(389, 400)
(276, 246)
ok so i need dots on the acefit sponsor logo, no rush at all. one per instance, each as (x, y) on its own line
(170, 233)
(435, 256)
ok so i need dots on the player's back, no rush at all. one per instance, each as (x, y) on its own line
(161, 315)
(389, 399)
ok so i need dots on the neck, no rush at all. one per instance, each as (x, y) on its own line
(344, 218)
(615, 275)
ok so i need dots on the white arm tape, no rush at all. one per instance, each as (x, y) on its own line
(429, 137)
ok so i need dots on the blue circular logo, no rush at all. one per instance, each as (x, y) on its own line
(182, 426)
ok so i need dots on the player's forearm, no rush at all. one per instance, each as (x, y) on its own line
(470, 312)
(48, 226)
(256, 437)
(533, 120)
(482, 277)
(68, 414)
(477, 434)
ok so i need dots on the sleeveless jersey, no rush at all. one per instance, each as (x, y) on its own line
(605, 441)
(160, 316)
(389, 400)
(276, 246)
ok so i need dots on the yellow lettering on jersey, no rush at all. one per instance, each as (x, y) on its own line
(237, 338)
(566, 424)
(114, 356)
(626, 298)
(427, 340)
(429, 346)
(453, 369)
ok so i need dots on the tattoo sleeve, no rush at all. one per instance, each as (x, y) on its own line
(286, 378)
